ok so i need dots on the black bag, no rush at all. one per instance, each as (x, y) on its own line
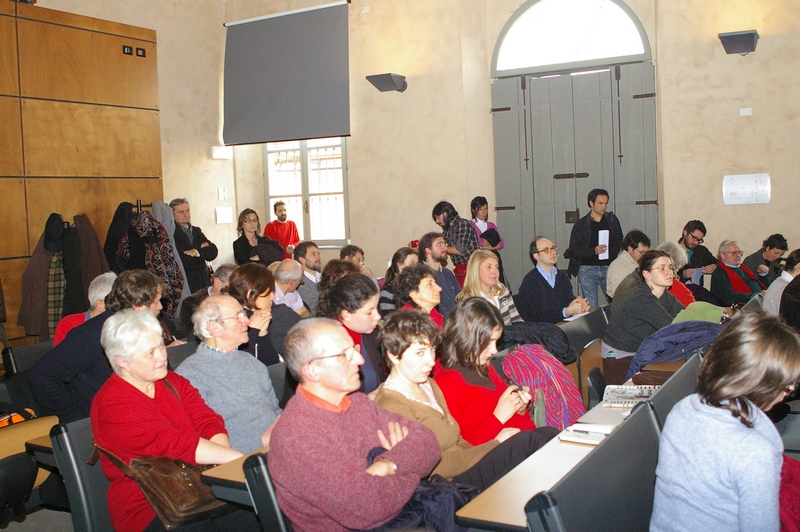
(553, 339)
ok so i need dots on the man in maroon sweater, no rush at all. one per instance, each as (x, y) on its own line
(319, 446)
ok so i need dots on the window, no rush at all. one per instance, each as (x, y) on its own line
(553, 35)
(310, 176)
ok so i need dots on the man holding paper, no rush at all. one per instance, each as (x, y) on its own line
(595, 241)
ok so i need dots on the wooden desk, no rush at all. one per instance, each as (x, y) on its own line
(42, 450)
(227, 480)
(538, 472)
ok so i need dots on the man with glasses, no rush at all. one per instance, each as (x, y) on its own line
(545, 294)
(338, 461)
(732, 282)
(699, 257)
(232, 382)
(634, 245)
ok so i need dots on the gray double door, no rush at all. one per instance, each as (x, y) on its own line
(558, 137)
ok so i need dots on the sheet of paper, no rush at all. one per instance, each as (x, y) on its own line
(697, 274)
(602, 240)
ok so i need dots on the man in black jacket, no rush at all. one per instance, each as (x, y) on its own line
(65, 380)
(194, 248)
(588, 258)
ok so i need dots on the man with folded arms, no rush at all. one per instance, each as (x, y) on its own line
(319, 448)
(232, 382)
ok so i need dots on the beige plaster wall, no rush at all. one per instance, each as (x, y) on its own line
(434, 141)
(701, 90)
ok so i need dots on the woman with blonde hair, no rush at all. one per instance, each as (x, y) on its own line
(483, 280)
(720, 457)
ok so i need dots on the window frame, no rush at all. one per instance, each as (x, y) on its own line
(305, 194)
(570, 66)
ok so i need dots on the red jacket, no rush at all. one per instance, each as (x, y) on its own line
(473, 406)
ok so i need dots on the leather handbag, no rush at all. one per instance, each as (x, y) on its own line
(173, 488)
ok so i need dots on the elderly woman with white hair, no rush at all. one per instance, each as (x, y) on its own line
(146, 410)
(679, 260)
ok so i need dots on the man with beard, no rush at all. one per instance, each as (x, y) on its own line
(307, 253)
(283, 230)
(433, 253)
(699, 256)
(458, 234)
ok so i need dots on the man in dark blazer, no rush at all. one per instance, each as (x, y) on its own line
(194, 248)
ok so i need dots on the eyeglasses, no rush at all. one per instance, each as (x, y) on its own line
(664, 268)
(551, 249)
(240, 317)
(641, 251)
(251, 220)
(696, 239)
(789, 390)
(739, 253)
(349, 353)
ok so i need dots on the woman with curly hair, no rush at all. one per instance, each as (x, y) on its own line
(353, 301)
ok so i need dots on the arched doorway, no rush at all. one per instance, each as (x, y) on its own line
(573, 109)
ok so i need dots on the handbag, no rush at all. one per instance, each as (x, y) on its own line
(174, 489)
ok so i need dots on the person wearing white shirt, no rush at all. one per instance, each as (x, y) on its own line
(288, 276)
(772, 298)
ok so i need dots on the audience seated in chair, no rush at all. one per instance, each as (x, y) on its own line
(410, 392)
(233, 383)
(219, 281)
(545, 295)
(98, 290)
(319, 446)
(66, 379)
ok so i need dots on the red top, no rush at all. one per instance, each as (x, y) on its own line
(129, 424)
(472, 406)
(66, 324)
(435, 315)
(285, 233)
(681, 293)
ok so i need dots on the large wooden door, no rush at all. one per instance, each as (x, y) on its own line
(558, 137)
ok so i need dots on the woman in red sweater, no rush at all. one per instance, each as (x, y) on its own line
(478, 398)
(145, 410)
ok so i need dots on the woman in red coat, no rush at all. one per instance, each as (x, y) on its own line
(478, 398)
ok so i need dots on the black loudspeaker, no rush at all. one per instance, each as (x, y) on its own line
(388, 82)
(739, 42)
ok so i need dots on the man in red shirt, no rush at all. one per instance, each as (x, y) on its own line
(283, 230)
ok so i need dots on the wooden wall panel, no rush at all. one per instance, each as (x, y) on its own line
(98, 198)
(10, 136)
(9, 81)
(63, 63)
(7, 7)
(32, 12)
(11, 277)
(71, 139)
(13, 226)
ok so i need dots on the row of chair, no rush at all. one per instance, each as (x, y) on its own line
(621, 497)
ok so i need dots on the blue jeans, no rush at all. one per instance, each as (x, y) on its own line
(590, 278)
